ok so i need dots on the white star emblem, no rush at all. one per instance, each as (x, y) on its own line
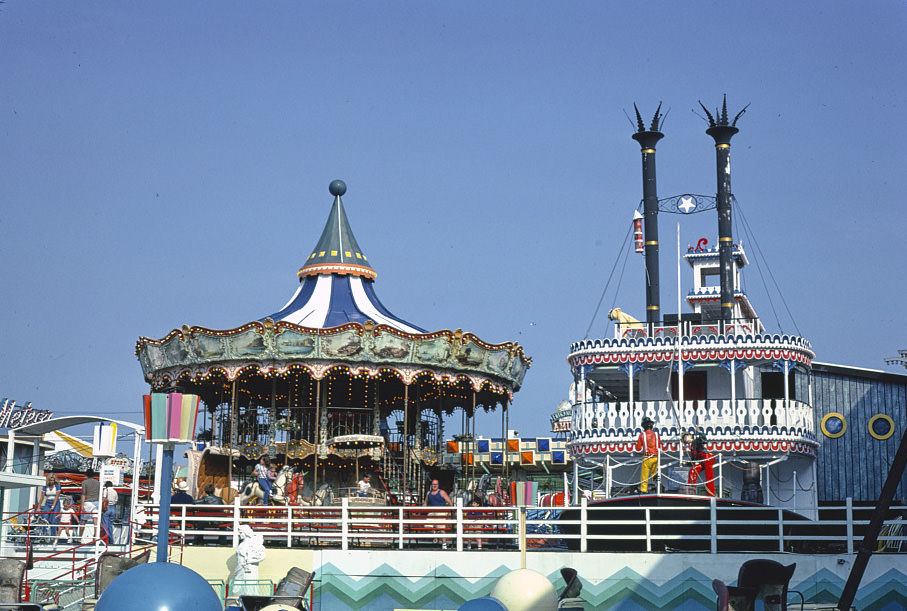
(687, 205)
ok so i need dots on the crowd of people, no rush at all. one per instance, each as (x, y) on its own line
(63, 523)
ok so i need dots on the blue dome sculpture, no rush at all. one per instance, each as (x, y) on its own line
(159, 586)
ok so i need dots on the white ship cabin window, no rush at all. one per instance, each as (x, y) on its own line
(695, 386)
(709, 277)
(773, 385)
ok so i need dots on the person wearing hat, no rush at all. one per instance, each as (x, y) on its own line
(182, 497)
(704, 460)
(650, 444)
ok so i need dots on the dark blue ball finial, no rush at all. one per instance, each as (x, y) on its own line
(337, 187)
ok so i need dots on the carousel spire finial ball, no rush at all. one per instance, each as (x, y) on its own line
(158, 586)
(337, 188)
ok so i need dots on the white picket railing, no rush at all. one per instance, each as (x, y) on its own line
(593, 419)
(587, 527)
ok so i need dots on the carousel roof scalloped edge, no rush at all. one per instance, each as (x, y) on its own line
(370, 349)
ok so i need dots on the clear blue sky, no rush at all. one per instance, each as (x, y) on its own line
(167, 162)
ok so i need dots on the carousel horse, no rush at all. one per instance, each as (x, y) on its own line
(324, 496)
(294, 488)
(253, 490)
(498, 498)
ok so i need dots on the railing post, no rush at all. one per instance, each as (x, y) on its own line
(720, 492)
(713, 525)
(780, 530)
(400, 527)
(236, 513)
(648, 529)
(459, 524)
(849, 504)
(793, 486)
(289, 526)
(583, 523)
(344, 523)
(658, 464)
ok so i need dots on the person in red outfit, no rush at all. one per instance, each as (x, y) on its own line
(705, 460)
(650, 444)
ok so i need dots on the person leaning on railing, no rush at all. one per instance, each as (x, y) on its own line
(438, 498)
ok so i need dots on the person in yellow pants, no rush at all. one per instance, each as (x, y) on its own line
(650, 443)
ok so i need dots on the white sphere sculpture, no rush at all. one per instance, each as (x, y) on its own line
(525, 590)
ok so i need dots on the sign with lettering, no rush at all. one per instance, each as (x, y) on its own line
(13, 417)
(560, 426)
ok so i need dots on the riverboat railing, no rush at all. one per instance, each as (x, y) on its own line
(708, 527)
(720, 417)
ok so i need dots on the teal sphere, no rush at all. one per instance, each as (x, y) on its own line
(337, 187)
(159, 586)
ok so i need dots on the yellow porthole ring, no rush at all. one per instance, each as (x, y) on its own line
(881, 427)
(834, 425)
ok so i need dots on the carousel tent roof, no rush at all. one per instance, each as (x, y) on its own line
(337, 282)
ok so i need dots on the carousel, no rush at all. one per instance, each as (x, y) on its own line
(333, 384)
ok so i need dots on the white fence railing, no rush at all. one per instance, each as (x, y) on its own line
(593, 419)
(709, 526)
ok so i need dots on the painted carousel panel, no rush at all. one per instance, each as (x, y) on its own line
(498, 361)
(207, 348)
(341, 345)
(175, 352)
(391, 347)
(248, 343)
(470, 354)
(294, 343)
(436, 350)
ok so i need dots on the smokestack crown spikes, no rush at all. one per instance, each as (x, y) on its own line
(648, 138)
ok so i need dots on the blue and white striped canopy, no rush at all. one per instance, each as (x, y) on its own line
(329, 300)
(337, 282)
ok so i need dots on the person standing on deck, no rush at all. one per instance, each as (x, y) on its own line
(91, 494)
(438, 498)
(704, 460)
(109, 498)
(650, 444)
(50, 503)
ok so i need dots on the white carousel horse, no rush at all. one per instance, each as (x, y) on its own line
(253, 490)
(323, 496)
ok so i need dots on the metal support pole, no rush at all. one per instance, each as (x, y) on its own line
(163, 517)
(136, 472)
(317, 434)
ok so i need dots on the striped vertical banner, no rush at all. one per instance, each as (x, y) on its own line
(170, 418)
(104, 442)
(146, 409)
(158, 429)
(174, 415)
(188, 415)
(523, 493)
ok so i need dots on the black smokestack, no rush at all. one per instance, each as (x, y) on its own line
(722, 131)
(647, 140)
